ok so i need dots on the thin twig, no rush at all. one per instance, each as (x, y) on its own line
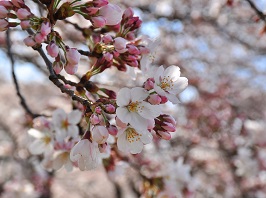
(258, 12)
(22, 100)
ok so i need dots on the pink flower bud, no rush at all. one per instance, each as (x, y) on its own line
(130, 36)
(72, 56)
(154, 99)
(99, 134)
(57, 66)
(71, 69)
(3, 12)
(110, 108)
(92, 10)
(107, 39)
(98, 110)
(169, 127)
(164, 135)
(98, 21)
(17, 3)
(132, 49)
(3, 25)
(29, 41)
(99, 3)
(94, 119)
(112, 130)
(39, 38)
(149, 84)
(116, 54)
(133, 63)
(96, 38)
(164, 99)
(25, 24)
(52, 49)
(112, 13)
(23, 13)
(169, 118)
(6, 4)
(120, 44)
(144, 50)
(128, 13)
(108, 56)
(45, 28)
(131, 58)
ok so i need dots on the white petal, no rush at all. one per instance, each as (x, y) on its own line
(72, 131)
(58, 116)
(159, 90)
(122, 143)
(136, 147)
(138, 94)
(69, 166)
(172, 98)
(81, 164)
(150, 111)
(37, 147)
(74, 117)
(123, 97)
(158, 74)
(146, 137)
(123, 114)
(179, 85)
(35, 133)
(60, 135)
(138, 121)
(58, 162)
(173, 72)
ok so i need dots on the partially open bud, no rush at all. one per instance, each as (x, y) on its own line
(57, 66)
(112, 13)
(107, 39)
(25, 24)
(23, 13)
(164, 135)
(39, 38)
(149, 84)
(73, 56)
(3, 12)
(94, 119)
(99, 3)
(98, 21)
(52, 49)
(112, 129)
(29, 41)
(120, 44)
(108, 56)
(71, 69)
(45, 28)
(92, 10)
(154, 99)
(3, 25)
(128, 13)
(18, 3)
(110, 108)
(169, 127)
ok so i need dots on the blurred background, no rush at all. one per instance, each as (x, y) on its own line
(219, 148)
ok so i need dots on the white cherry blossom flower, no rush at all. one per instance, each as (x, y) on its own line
(133, 109)
(148, 57)
(63, 159)
(86, 153)
(43, 144)
(132, 140)
(66, 124)
(168, 82)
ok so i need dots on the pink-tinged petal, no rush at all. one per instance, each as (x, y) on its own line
(71, 69)
(138, 94)
(81, 164)
(122, 143)
(68, 166)
(123, 97)
(135, 147)
(72, 131)
(58, 161)
(173, 72)
(123, 114)
(75, 151)
(150, 111)
(74, 117)
(158, 75)
(112, 13)
(60, 134)
(138, 121)
(119, 123)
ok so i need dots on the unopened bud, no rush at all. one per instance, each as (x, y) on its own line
(169, 127)
(52, 49)
(112, 130)
(29, 41)
(94, 119)
(98, 21)
(149, 84)
(164, 99)
(110, 108)
(57, 66)
(154, 99)
(107, 39)
(3, 12)
(25, 24)
(39, 38)
(23, 13)
(45, 28)
(164, 135)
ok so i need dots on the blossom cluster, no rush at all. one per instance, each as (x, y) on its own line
(122, 122)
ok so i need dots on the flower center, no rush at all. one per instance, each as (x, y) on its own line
(166, 83)
(46, 139)
(132, 135)
(135, 107)
(64, 124)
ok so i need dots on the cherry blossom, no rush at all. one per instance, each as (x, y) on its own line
(169, 83)
(62, 159)
(86, 153)
(133, 109)
(132, 140)
(66, 124)
(112, 13)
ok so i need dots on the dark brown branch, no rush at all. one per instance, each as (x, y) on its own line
(56, 80)
(258, 12)
(22, 100)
